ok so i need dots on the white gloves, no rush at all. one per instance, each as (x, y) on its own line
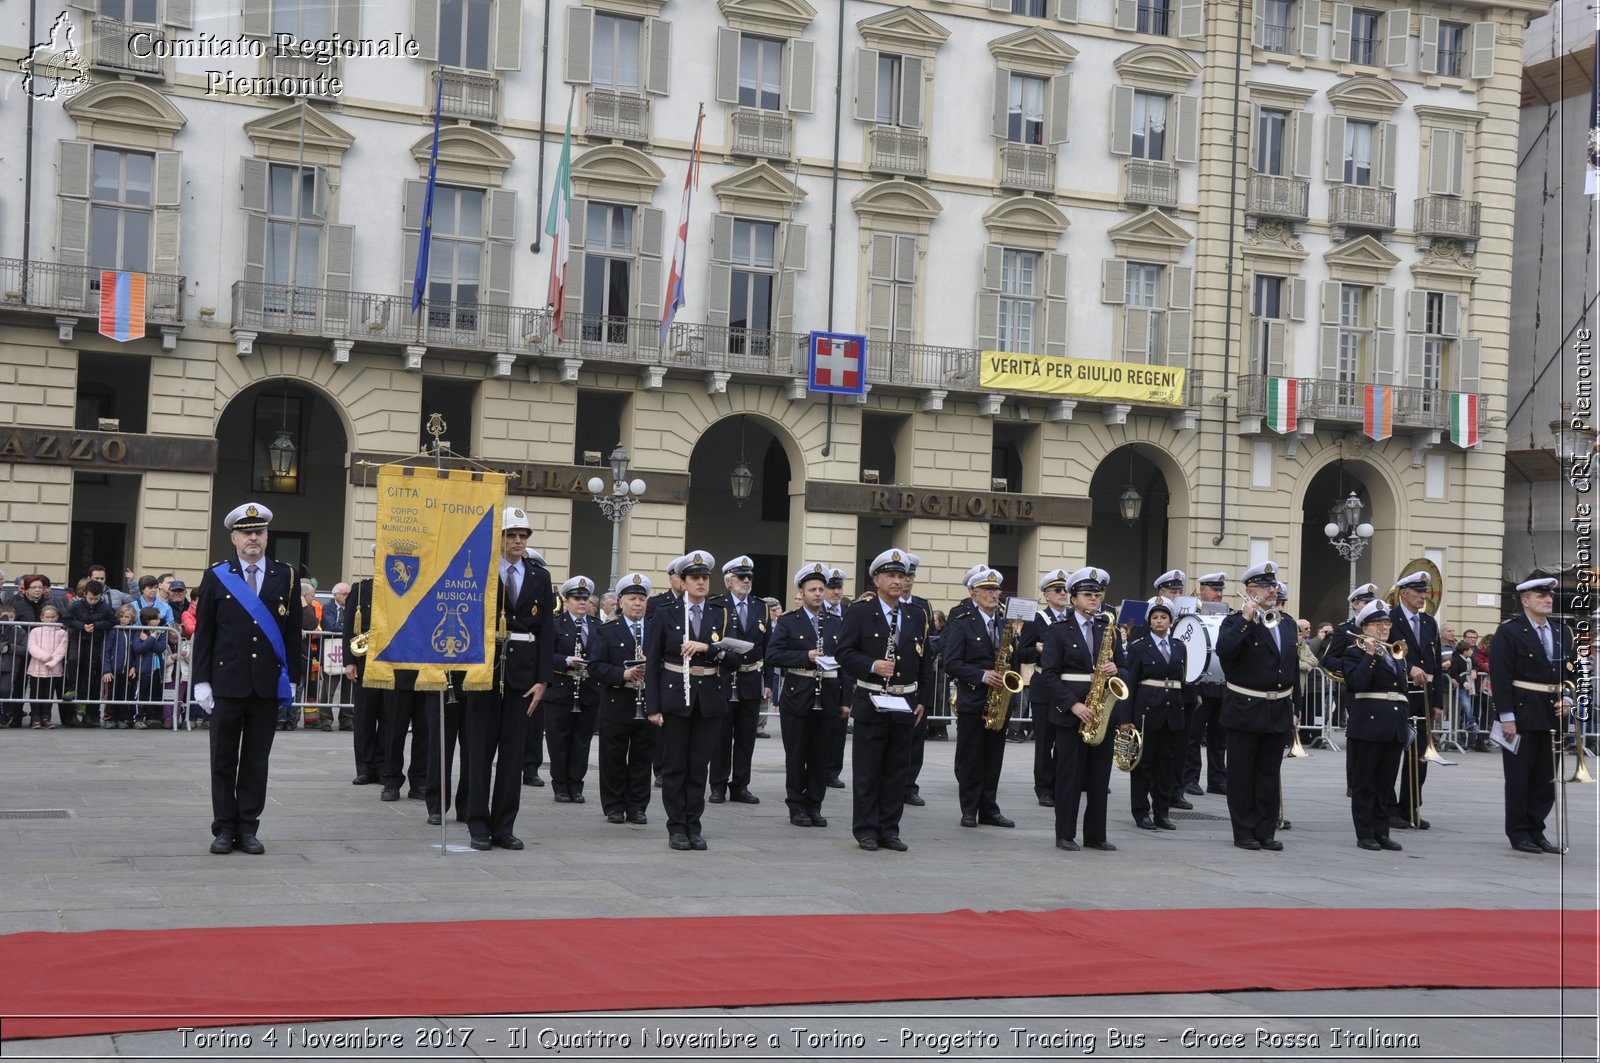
(202, 696)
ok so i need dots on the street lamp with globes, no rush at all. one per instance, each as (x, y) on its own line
(1345, 520)
(625, 494)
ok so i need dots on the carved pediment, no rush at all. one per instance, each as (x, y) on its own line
(900, 199)
(1152, 235)
(466, 153)
(278, 135)
(1363, 259)
(1156, 66)
(761, 190)
(125, 112)
(1034, 51)
(903, 29)
(1365, 97)
(1026, 221)
(783, 18)
(615, 172)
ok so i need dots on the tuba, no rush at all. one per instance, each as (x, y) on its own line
(1104, 691)
(994, 710)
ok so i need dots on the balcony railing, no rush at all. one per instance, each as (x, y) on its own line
(1154, 184)
(1270, 196)
(49, 287)
(112, 50)
(740, 350)
(469, 94)
(920, 365)
(1028, 167)
(897, 151)
(285, 310)
(1345, 401)
(1277, 39)
(1447, 216)
(762, 134)
(605, 338)
(1361, 207)
(623, 115)
(305, 74)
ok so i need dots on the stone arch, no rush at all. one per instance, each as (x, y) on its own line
(1322, 571)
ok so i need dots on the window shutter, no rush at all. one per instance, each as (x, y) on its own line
(727, 65)
(1002, 104)
(1482, 50)
(410, 243)
(507, 34)
(905, 318)
(1310, 26)
(1136, 333)
(1328, 353)
(658, 67)
(1450, 327)
(867, 85)
(1125, 15)
(1330, 302)
(501, 209)
(1060, 94)
(1416, 310)
(1258, 23)
(580, 45)
(1180, 287)
(1191, 18)
(577, 230)
(880, 288)
(72, 240)
(424, 25)
(784, 286)
(905, 259)
(255, 263)
(799, 65)
(652, 233)
(1439, 162)
(1056, 307)
(794, 247)
(1458, 164)
(1388, 153)
(1303, 126)
(1187, 143)
(347, 18)
(1253, 134)
(411, 210)
(1397, 30)
(1114, 281)
(1121, 120)
(1387, 369)
(497, 277)
(1297, 299)
(1066, 10)
(720, 274)
(988, 321)
(1333, 163)
(1000, 5)
(911, 92)
(1343, 16)
(994, 257)
(1469, 361)
(1416, 342)
(1428, 49)
(1385, 308)
(321, 194)
(1178, 325)
(180, 13)
(258, 17)
(338, 263)
(166, 230)
(253, 184)
(74, 156)
(1277, 335)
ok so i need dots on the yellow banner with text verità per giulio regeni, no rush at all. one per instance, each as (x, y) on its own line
(1082, 378)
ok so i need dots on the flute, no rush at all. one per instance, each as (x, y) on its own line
(688, 699)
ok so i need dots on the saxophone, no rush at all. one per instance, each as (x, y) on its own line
(1104, 690)
(994, 710)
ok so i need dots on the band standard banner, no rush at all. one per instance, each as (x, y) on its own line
(1083, 378)
(436, 571)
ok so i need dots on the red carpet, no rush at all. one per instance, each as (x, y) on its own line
(150, 980)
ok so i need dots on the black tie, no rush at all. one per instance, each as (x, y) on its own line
(583, 635)
(994, 630)
(512, 581)
(1166, 654)
(743, 623)
(694, 621)
(250, 573)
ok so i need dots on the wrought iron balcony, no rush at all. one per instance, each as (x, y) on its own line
(1153, 184)
(898, 151)
(920, 365)
(285, 310)
(1448, 217)
(1341, 401)
(622, 115)
(469, 94)
(1361, 207)
(761, 134)
(738, 350)
(304, 73)
(1028, 167)
(603, 337)
(1271, 196)
(114, 51)
(51, 288)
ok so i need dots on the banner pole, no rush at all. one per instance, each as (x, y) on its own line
(444, 766)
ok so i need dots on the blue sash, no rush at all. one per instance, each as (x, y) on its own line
(257, 609)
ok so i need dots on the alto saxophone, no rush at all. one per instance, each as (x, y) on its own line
(994, 709)
(1104, 691)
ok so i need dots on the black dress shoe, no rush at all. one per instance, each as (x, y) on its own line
(638, 817)
(507, 841)
(800, 819)
(577, 799)
(697, 843)
(1192, 790)
(679, 842)
(836, 783)
(997, 819)
(616, 817)
(482, 844)
(1223, 790)
(1047, 801)
(1247, 843)
(1105, 847)
(361, 780)
(871, 844)
(222, 844)
(893, 845)
(416, 794)
(390, 793)
(745, 797)
(249, 843)
(915, 799)
(818, 821)
(531, 778)
(969, 819)
(1545, 844)
(1273, 846)
(1370, 844)
(1068, 844)
(1145, 823)
(1179, 802)
(1284, 824)
(1165, 824)
(434, 819)
(1390, 844)
(563, 799)
(1423, 824)
(1523, 846)
(718, 795)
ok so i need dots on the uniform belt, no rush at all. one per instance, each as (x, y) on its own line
(1270, 695)
(1076, 677)
(884, 688)
(811, 673)
(1386, 695)
(1542, 688)
(1167, 684)
(520, 636)
(694, 669)
(752, 667)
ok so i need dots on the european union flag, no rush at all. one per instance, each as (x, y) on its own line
(419, 282)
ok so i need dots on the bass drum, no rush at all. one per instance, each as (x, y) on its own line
(1199, 637)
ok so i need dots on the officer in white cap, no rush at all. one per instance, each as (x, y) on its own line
(497, 736)
(736, 734)
(1378, 728)
(1427, 690)
(247, 663)
(883, 645)
(1204, 730)
(1169, 585)
(616, 666)
(1532, 671)
(1054, 606)
(1258, 710)
(1334, 649)
(973, 663)
(919, 735)
(809, 703)
(572, 703)
(965, 606)
(672, 595)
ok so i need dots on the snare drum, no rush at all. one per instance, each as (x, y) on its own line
(1198, 633)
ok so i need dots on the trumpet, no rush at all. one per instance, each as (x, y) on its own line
(1395, 650)
(1269, 616)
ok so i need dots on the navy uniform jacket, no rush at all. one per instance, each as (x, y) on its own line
(1424, 656)
(864, 638)
(358, 611)
(959, 610)
(1373, 720)
(656, 601)
(563, 644)
(229, 652)
(747, 683)
(611, 647)
(1516, 653)
(1030, 644)
(1338, 646)
(1065, 651)
(524, 664)
(1251, 658)
(1159, 708)
(968, 652)
(789, 647)
(664, 634)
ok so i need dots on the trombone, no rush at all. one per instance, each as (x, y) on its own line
(1580, 773)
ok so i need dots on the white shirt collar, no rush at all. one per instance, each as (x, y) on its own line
(261, 566)
(505, 567)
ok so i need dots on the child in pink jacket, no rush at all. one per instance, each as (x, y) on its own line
(47, 665)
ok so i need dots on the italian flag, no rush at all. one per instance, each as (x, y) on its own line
(1283, 404)
(556, 226)
(1464, 421)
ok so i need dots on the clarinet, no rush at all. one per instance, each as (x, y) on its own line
(638, 689)
(582, 669)
(818, 707)
(894, 637)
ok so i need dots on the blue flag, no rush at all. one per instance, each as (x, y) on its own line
(419, 282)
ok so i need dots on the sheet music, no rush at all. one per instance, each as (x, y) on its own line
(1497, 735)
(738, 645)
(891, 703)
(1022, 609)
(828, 664)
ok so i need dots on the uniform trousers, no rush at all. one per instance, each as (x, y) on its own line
(241, 742)
(805, 759)
(838, 736)
(1530, 785)
(687, 744)
(1205, 732)
(1255, 760)
(368, 709)
(1044, 745)
(880, 760)
(1372, 767)
(626, 749)
(568, 734)
(1410, 764)
(1157, 781)
(533, 743)
(736, 744)
(497, 735)
(919, 745)
(435, 787)
(980, 754)
(1083, 773)
(406, 711)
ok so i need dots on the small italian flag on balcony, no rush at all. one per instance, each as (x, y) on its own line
(1283, 404)
(1377, 412)
(1464, 421)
